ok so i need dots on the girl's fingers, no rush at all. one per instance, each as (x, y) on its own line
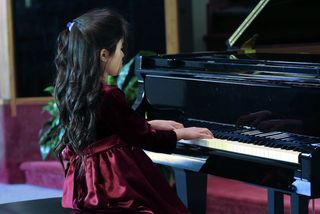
(206, 132)
(176, 125)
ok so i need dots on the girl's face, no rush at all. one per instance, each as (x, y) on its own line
(114, 62)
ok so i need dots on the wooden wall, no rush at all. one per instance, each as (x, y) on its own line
(172, 26)
(6, 51)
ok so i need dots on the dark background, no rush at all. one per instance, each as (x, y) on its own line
(37, 24)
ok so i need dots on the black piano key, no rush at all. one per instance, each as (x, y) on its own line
(290, 139)
(252, 132)
(268, 134)
(279, 136)
(309, 140)
(275, 139)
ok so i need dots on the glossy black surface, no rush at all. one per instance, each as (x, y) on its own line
(265, 94)
(270, 100)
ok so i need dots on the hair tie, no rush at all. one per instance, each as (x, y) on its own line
(70, 25)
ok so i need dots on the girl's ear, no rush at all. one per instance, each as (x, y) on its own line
(104, 55)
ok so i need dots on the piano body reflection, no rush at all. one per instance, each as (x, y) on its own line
(263, 108)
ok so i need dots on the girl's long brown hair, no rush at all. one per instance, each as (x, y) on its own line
(78, 82)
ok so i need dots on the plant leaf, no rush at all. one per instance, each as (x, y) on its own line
(50, 90)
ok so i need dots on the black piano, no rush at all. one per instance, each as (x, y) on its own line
(263, 108)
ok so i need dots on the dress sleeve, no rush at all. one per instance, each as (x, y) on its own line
(133, 128)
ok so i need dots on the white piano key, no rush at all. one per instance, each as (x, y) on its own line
(247, 149)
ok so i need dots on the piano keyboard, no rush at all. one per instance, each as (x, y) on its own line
(274, 145)
(261, 151)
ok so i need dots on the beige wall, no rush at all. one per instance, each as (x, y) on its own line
(172, 26)
(199, 19)
(6, 70)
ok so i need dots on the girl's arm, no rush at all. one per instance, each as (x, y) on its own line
(193, 133)
(181, 132)
(165, 124)
(135, 130)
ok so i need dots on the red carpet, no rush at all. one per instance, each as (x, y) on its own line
(235, 197)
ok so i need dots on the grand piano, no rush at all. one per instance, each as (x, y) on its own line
(263, 107)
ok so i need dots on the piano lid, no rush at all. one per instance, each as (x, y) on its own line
(275, 22)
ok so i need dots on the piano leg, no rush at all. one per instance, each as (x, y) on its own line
(192, 190)
(299, 204)
(275, 202)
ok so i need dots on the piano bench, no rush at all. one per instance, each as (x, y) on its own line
(51, 205)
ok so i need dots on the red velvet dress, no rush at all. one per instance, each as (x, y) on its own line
(118, 174)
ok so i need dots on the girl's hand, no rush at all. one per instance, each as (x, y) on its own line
(193, 133)
(165, 124)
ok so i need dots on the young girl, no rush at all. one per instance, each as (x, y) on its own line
(107, 169)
